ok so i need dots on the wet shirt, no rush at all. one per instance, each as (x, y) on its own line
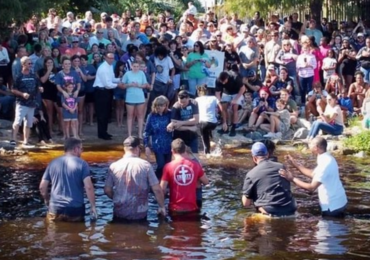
(182, 176)
(156, 127)
(27, 84)
(184, 114)
(131, 178)
(264, 185)
(66, 175)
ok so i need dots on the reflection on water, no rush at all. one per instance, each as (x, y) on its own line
(230, 233)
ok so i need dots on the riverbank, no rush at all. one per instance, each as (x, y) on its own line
(294, 138)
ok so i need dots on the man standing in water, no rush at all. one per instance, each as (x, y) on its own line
(128, 183)
(181, 176)
(264, 187)
(325, 178)
(68, 175)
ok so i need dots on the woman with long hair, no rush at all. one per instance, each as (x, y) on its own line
(119, 94)
(49, 95)
(148, 68)
(76, 66)
(55, 54)
(348, 62)
(135, 81)
(198, 64)
(156, 137)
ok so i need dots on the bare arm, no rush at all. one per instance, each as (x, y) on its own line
(89, 188)
(108, 191)
(246, 202)
(305, 171)
(44, 191)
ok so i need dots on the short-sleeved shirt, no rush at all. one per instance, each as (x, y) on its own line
(27, 84)
(131, 177)
(332, 195)
(291, 105)
(66, 175)
(134, 94)
(196, 71)
(247, 55)
(184, 114)
(232, 86)
(182, 176)
(264, 185)
(72, 77)
(163, 68)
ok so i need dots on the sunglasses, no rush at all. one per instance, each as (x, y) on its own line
(183, 97)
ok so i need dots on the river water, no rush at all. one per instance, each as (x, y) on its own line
(228, 232)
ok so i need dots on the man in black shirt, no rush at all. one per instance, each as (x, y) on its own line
(264, 186)
(229, 91)
(184, 120)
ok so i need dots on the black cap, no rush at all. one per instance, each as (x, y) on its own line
(131, 141)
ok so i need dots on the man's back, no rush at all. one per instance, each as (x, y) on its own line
(182, 176)
(264, 185)
(66, 175)
(132, 178)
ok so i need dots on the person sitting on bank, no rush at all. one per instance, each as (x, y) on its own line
(325, 178)
(69, 175)
(331, 121)
(181, 176)
(264, 187)
(128, 183)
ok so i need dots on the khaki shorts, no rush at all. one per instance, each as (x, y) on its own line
(24, 113)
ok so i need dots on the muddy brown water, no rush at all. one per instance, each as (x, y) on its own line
(231, 232)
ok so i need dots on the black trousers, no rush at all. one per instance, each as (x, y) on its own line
(42, 129)
(103, 105)
(206, 129)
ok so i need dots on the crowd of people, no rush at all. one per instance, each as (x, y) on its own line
(65, 72)
(154, 70)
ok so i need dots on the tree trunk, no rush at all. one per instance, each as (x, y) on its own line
(316, 10)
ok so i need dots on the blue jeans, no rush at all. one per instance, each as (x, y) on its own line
(194, 83)
(327, 128)
(306, 86)
(366, 74)
(262, 72)
(161, 160)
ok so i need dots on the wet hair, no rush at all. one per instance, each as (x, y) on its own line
(71, 143)
(158, 101)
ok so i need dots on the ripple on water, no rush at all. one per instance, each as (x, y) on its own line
(229, 233)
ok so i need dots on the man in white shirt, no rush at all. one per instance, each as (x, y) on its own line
(105, 82)
(325, 178)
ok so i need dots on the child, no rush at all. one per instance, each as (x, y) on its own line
(70, 112)
(345, 104)
(247, 107)
(365, 109)
(279, 121)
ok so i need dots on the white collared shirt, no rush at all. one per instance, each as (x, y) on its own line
(332, 195)
(105, 77)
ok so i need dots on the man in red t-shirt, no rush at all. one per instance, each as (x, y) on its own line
(182, 175)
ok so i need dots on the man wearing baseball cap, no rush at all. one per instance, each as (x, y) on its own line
(265, 188)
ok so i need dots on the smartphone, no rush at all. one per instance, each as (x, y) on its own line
(305, 59)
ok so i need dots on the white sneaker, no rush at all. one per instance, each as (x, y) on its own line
(270, 134)
(278, 135)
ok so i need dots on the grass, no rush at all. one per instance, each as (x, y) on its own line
(359, 142)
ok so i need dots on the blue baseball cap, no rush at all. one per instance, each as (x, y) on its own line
(259, 149)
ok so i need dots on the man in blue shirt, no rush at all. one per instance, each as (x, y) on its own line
(69, 175)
